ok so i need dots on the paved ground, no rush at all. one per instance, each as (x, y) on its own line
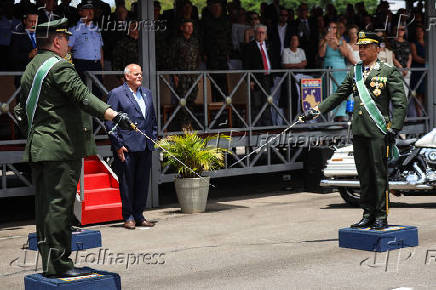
(264, 241)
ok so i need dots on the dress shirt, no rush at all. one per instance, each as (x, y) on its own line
(140, 100)
(86, 41)
(266, 52)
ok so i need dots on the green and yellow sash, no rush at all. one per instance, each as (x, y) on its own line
(371, 107)
(33, 97)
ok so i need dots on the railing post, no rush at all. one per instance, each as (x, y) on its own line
(147, 59)
(430, 11)
(328, 77)
(250, 127)
(206, 111)
(291, 118)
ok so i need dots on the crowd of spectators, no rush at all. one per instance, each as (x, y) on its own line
(307, 37)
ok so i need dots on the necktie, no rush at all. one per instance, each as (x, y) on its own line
(264, 60)
(32, 38)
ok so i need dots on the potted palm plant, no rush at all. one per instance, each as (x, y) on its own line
(192, 156)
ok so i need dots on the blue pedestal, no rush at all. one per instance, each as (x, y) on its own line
(95, 281)
(391, 238)
(81, 240)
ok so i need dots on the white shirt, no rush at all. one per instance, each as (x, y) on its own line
(139, 98)
(281, 30)
(266, 53)
(290, 57)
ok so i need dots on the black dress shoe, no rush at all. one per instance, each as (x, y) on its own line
(379, 224)
(363, 223)
(75, 272)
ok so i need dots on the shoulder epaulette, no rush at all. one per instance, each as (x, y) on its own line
(385, 63)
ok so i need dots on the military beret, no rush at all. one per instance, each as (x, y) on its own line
(59, 25)
(368, 37)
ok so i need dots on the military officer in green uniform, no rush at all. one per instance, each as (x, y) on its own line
(50, 112)
(374, 85)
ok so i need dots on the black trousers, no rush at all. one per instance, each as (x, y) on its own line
(371, 165)
(133, 177)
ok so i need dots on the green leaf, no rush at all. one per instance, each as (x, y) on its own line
(196, 152)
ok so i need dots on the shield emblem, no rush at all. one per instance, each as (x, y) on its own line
(311, 93)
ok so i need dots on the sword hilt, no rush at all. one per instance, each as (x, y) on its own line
(133, 126)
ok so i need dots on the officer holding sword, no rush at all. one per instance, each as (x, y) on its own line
(51, 112)
(374, 85)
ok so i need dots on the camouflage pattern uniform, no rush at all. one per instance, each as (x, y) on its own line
(162, 49)
(125, 52)
(216, 46)
(186, 57)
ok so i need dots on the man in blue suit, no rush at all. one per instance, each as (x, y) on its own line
(132, 150)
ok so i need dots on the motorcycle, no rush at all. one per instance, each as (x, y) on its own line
(414, 170)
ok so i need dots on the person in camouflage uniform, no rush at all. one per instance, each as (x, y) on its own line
(185, 56)
(161, 30)
(216, 37)
(126, 50)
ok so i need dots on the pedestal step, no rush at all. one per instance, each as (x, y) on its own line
(97, 280)
(391, 238)
(81, 240)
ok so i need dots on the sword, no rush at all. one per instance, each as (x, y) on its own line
(135, 128)
(269, 141)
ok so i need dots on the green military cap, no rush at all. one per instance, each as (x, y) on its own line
(59, 25)
(368, 37)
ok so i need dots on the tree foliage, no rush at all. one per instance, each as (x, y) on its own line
(254, 5)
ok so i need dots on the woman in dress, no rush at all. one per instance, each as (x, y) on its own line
(292, 58)
(253, 20)
(334, 51)
(418, 60)
(352, 45)
(403, 60)
(386, 55)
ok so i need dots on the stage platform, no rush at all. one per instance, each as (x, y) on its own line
(391, 238)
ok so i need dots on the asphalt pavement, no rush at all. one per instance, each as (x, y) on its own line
(265, 240)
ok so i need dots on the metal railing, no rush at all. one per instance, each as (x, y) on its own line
(219, 110)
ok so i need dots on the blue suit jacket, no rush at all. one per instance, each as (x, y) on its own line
(121, 99)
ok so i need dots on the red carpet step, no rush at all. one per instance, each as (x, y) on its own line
(102, 201)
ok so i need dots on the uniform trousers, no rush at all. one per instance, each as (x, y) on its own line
(55, 189)
(371, 164)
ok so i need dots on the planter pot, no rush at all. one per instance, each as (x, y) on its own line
(192, 193)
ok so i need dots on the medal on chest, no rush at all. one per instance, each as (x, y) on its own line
(377, 83)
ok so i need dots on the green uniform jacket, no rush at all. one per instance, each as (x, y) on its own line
(391, 87)
(60, 130)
